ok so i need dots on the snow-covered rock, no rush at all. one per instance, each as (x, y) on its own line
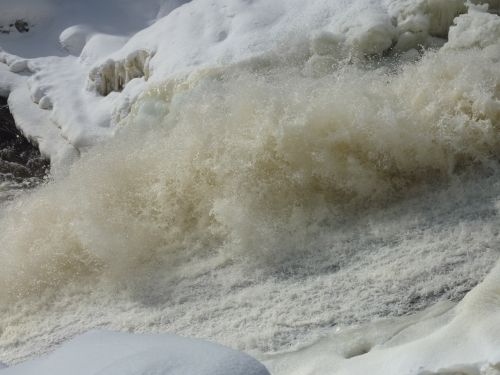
(113, 353)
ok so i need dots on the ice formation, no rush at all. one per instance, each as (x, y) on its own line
(256, 173)
(114, 75)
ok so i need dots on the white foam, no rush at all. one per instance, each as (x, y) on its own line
(259, 191)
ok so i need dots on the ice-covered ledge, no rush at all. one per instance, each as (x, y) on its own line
(34, 122)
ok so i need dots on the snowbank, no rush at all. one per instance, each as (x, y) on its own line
(39, 65)
(114, 43)
(120, 353)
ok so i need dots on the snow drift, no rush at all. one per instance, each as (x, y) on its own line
(119, 353)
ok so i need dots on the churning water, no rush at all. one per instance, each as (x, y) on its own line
(261, 204)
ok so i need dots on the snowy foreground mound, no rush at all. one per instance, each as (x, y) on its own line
(111, 353)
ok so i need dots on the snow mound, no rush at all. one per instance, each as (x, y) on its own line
(74, 38)
(111, 353)
(117, 42)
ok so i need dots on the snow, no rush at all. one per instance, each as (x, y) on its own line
(98, 47)
(100, 352)
(53, 60)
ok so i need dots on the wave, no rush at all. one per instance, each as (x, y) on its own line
(252, 161)
(254, 164)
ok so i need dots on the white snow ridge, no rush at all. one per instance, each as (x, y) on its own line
(119, 353)
(315, 183)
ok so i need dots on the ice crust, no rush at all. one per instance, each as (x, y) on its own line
(460, 340)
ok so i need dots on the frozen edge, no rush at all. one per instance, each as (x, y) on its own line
(34, 122)
(463, 340)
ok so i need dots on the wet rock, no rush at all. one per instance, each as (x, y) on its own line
(21, 26)
(19, 158)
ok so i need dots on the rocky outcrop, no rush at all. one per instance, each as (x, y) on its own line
(20, 25)
(19, 159)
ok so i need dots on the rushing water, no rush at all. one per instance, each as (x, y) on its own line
(267, 202)
(264, 203)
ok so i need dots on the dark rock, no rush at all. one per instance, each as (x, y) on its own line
(22, 26)
(18, 157)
